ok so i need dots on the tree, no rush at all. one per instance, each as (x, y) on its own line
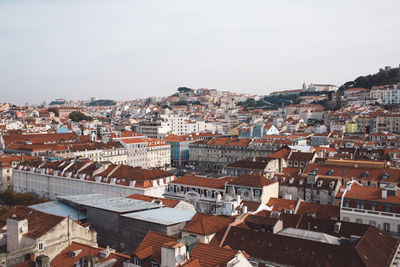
(54, 110)
(184, 89)
(79, 116)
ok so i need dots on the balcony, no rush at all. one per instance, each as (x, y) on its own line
(371, 212)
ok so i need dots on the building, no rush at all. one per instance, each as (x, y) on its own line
(122, 223)
(216, 153)
(31, 233)
(69, 177)
(260, 165)
(202, 192)
(258, 130)
(146, 153)
(252, 187)
(163, 250)
(7, 165)
(153, 129)
(371, 205)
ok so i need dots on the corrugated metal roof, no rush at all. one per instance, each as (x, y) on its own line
(60, 209)
(110, 203)
(165, 215)
(310, 235)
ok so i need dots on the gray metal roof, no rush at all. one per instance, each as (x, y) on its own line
(60, 209)
(165, 215)
(310, 235)
(109, 203)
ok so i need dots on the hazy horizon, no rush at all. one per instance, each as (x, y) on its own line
(134, 49)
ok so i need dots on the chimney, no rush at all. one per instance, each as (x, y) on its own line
(106, 252)
(173, 254)
(16, 228)
(384, 194)
(337, 226)
(42, 261)
(244, 210)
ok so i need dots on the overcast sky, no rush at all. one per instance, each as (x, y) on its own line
(125, 49)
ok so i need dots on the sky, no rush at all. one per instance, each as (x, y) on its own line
(126, 49)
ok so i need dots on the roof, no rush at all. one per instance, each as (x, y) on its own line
(321, 211)
(252, 180)
(164, 215)
(60, 209)
(217, 183)
(205, 224)
(301, 156)
(280, 204)
(65, 258)
(280, 154)
(212, 256)
(165, 201)
(109, 203)
(248, 164)
(150, 247)
(39, 223)
(374, 194)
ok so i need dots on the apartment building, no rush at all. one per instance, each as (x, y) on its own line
(7, 165)
(69, 177)
(375, 206)
(216, 153)
(180, 125)
(146, 153)
(202, 192)
(153, 129)
(386, 94)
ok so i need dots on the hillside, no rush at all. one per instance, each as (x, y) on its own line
(383, 77)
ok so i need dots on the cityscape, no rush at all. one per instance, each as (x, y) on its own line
(194, 176)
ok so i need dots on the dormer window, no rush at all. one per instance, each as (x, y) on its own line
(365, 174)
(41, 246)
(385, 176)
(291, 180)
(332, 184)
(330, 172)
(319, 184)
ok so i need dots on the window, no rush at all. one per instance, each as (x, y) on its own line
(386, 227)
(346, 219)
(40, 246)
(372, 223)
(359, 220)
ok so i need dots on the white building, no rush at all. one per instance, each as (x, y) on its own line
(51, 179)
(147, 153)
(387, 94)
(180, 125)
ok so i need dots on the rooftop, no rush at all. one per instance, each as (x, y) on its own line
(164, 215)
(109, 203)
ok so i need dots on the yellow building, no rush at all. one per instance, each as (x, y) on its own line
(351, 127)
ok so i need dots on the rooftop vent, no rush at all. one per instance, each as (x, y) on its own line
(336, 228)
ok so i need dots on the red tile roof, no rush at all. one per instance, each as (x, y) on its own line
(252, 180)
(150, 247)
(205, 224)
(212, 256)
(39, 223)
(192, 180)
(65, 258)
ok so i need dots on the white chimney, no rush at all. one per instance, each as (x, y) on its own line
(384, 193)
(173, 254)
(16, 228)
(244, 210)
